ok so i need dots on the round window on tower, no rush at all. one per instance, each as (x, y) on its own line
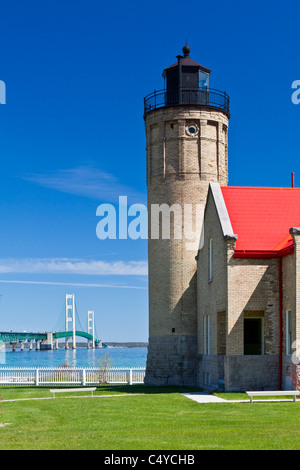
(192, 129)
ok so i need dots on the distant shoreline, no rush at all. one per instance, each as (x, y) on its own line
(126, 345)
(84, 345)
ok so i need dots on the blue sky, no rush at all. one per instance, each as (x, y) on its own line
(72, 136)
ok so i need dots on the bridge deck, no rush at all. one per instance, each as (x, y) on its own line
(12, 337)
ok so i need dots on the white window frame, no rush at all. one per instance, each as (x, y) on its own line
(206, 335)
(210, 260)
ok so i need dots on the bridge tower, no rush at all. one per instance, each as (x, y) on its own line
(91, 326)
(70, 317)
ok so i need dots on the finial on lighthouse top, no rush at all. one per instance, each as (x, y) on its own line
(186, 50)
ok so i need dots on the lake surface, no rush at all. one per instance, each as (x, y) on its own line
(119, 357)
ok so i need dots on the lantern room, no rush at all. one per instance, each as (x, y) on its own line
(186, 83)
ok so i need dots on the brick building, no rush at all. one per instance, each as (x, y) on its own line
(221, 315)
(247, 287)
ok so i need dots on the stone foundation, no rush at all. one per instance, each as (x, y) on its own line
(239, 373)
(172, 360)
(251, 373)
(211, 372)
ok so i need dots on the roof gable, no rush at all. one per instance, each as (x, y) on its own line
(262, 217)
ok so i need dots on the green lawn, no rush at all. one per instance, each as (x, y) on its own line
(150, 419)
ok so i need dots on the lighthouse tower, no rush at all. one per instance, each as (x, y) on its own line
(186, 132)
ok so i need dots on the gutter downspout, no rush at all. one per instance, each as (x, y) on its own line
(280, 322)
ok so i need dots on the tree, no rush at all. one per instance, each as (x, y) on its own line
(104, 364)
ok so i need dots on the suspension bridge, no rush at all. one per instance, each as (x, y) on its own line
(66, 328)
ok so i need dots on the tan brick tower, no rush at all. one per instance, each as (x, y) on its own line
(186, 132)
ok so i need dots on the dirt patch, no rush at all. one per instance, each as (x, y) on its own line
(4, 424)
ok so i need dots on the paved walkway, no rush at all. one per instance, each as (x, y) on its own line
(203, 397)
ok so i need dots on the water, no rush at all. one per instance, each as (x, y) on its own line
(119, 357)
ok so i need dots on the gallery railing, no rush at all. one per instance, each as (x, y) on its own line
(207, 97)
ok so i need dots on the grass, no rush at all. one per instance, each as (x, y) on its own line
(14, 393)
(232, 396)
(150, 419)
(244, 396)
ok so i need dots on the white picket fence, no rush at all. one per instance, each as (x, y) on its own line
(70, 376)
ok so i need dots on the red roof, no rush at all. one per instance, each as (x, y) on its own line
(262, 218)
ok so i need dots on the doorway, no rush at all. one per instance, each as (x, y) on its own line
(253, 336)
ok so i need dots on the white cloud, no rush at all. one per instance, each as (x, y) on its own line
(88, 182)
(73, 266)
(74, 284)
